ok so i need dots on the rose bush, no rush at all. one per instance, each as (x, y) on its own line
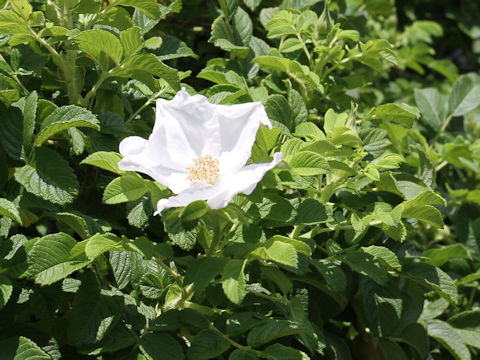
(314, 166)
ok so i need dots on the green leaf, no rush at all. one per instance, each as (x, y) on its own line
(204, 271)
(161, 346)
(11, 23)
(64, 118)
(11, 133)
(148, 64)
(6, 289)
(49, 176)
(99, 244)
(332, 273)
(416, 336)
(308, 163)
(131, 40)
(240, 354)
(432, 105)
(22, 8)
(107, 160)
(194, 211)
(7, 208)
(127, 267)
(448, 337)
(29, 113)
(385, 255)
(440, 256)
(84, 225)
(279, 112)
(224, 38)
(278, 251)
(97, 42)
(433, 278)
(208, 344)
(50, 259)
(464, 96)
(272, 330)
(426, 213)
(401, 113)
(149, 7)
(93, 313)
(282, 352)
(21, 348)
(173, 48)
(128, 187)
(366, 264)
(233, 280)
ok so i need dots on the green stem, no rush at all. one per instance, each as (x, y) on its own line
(146, 104)
(345, 227)
(441, 131)
(305, 50)
(297, 229)
(87, 102)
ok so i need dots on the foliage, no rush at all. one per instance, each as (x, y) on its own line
(363, 244)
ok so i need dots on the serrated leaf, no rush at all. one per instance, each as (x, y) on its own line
(21, 348)
(440, 256)
(366, 264)
(99, 43)
(308, 163)
(464, 96)
(432, 105)
(272, 330)
(6, 289)
(282, 352)
(128, 187)
(127, 267)
(84, 225)
(446, 335)
(385, 255)
(131, 40)
(208, 344)
(11, 23)
(173, 48)
(99, 244)
(233, 280)
(63, 118)
(160, 346)
(29, 113)
(204, 271)
(240, 354)
(149, 7)
(107, 160)
(49, 176)
(426, 213)
(50, 259)
(433, 278)
(7, 208)
(332, 273)
(401, 113)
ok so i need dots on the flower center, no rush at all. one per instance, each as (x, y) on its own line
(204, 170)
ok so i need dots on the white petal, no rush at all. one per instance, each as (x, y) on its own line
(238, 128)
(243, 181)
(190, 124)
(194, 193)
(147, 157)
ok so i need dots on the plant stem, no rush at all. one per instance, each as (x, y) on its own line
(346, 227)
(147, 103)
(441, 131)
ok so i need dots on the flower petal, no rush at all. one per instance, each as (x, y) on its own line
(191, 126)
(244, 181)
(146, 156)
(238, 129)
(219, 195)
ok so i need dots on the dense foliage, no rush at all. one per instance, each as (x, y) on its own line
(364, 243)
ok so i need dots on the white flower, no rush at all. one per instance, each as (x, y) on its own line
(199, 150)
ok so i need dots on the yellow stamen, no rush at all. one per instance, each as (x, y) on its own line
(204, 170)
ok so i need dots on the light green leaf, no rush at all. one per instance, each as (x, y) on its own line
(308, 163)
(64, 118)
(401, 113)
(99, 244)
(387, 256)
(22, 8)
(95, 42)
(107, 160)
(49, 176)
(161, 346)
(426, 213)
(7, 208)
(440, 256)
(6, 289)
(172, 48)
(11, 23)
(128, 187)
(84, 225)
(233, 280)
(29, 113)
(50, 259)
(21, 348)
(131, 40)
(149, 7)
(194, 210)
(432, 105)
(464, 96)
(448, 337)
